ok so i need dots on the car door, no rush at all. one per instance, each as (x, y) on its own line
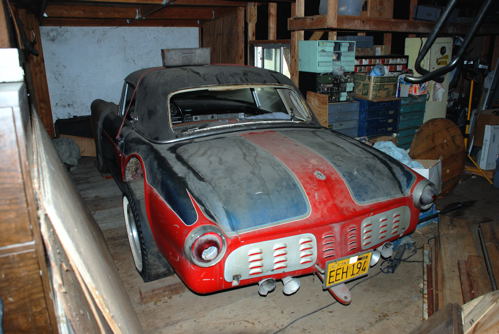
(115, 126)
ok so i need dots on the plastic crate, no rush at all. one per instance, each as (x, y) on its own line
(345, 125)
(410, 120)
(412, 99)
(378, 127)
(370, 106)
(407, 108)
(326, 56)
(405, 141)
(350, 132)
(407, 132)
(344, 111)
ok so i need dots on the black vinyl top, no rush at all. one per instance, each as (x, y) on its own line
(155, 84)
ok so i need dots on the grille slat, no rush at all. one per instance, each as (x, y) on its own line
(328, 245)
(380, 227)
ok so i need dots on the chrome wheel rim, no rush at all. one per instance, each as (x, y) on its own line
(133, 235)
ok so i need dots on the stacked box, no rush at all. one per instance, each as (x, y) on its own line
(326, 56)
(344, 117)
(412, 110)
(339, 88)
(395, 63)
(375, 88)
(378, 118)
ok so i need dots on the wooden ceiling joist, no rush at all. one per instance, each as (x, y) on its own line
(61, 22)
(128, 12)
(360, 23)
(207, 3)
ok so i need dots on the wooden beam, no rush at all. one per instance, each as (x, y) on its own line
(120, 12)
(297, 9)
(387, 42)
(332, 12)
(317, 35)
(35, 72)
(4, 27)
(251, 18)
(266, 41)
(380, 8)
(59, 22)
(412, 8)
(272, 20)
(207, 3)
(357, 23)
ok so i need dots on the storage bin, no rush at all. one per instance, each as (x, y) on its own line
(411, 99)
(412, 119)
(326, 56)
(405, 142)
(343, 111)
(379, 130)
(344, 125)
(350, 132)
(407, 132)
(375, 88)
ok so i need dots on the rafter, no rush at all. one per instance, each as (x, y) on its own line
(128, 12)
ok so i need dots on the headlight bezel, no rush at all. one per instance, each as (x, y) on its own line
(211, 234)
(421, 191)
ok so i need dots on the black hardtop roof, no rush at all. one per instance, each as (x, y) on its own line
(175, 78)
(153, 85)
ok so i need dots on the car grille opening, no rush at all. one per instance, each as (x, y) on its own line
(328, 245)
(280, 256)
(384, 226)
(255, 261)
(352, 243)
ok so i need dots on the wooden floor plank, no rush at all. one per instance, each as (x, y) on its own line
(456, 243)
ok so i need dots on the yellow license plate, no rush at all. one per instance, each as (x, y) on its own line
(346, 269)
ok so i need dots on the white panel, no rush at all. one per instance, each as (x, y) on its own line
(86, 63)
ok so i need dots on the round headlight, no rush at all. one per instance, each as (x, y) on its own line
(424, 195)
(205, 246)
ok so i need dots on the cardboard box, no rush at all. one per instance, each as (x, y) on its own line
(432, 171)
(375, 88)
(486, 117)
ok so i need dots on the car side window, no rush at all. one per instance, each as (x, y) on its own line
(127, 105)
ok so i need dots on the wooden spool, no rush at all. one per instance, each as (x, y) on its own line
(441, 139)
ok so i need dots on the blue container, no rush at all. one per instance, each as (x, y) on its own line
(496, 174)
(343, 111)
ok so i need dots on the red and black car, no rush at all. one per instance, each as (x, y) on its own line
(228, 180)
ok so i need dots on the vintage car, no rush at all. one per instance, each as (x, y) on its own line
(228, 180)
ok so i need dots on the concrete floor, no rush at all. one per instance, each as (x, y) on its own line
(382, 303)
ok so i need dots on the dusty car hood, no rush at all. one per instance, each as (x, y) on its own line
(255, 179)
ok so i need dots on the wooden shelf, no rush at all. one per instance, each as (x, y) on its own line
(361, 23)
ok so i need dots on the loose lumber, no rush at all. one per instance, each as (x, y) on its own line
(481, 315)
(445, 321)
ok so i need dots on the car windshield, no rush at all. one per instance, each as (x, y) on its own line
(206, 108)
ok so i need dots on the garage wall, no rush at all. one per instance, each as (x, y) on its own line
(86, 63)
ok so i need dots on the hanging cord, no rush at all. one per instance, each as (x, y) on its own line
(382, 270)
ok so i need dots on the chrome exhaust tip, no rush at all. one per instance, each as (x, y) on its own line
(291, 285)
(265, 286)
